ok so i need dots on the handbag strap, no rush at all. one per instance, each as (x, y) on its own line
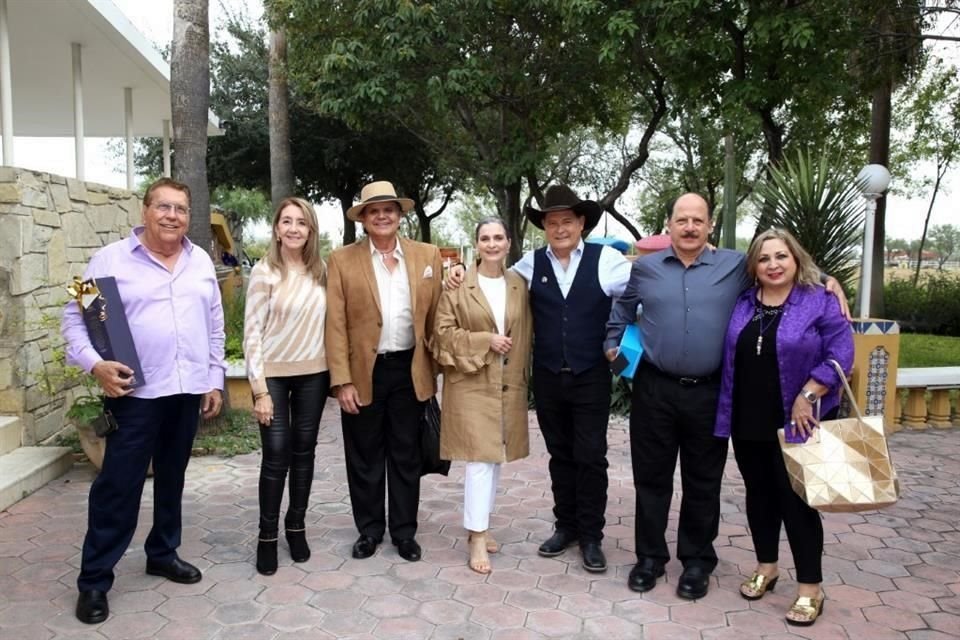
(846, 388)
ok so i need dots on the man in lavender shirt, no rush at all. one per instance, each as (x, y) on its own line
(172, 302)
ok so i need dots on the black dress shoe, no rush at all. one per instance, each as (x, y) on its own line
(92, 607)
(556, 544)
(408, 549)
(593, 558)
(176, 571)
(364, 547)
(694, 583)
(644, 574)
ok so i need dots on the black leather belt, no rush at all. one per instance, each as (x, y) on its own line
(683, 381)
(396, 355)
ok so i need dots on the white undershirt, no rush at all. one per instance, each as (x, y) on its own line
(495, 291)
(395, 307)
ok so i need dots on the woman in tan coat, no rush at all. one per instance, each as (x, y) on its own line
(482, 340)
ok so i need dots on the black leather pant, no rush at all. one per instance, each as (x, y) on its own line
(289, 442)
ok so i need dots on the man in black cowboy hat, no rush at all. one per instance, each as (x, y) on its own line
(572, 284)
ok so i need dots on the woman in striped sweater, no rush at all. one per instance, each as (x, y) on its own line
(286, 364)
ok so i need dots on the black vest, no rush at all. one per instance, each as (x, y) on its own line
(569, 332)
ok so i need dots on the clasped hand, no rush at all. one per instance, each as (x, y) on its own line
(802, 420)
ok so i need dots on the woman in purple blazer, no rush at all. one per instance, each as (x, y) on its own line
(781, 335)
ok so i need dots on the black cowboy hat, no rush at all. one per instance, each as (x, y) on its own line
(560, 197)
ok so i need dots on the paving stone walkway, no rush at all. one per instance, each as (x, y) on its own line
(890, 574)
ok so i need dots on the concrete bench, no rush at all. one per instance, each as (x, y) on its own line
(918, 381)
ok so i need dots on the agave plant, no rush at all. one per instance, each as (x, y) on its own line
(820, 203)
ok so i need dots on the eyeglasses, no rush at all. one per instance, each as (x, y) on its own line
(167, 207)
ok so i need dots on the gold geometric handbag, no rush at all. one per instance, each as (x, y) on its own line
(845, 465)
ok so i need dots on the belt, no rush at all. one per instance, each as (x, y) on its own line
(683, 381)
(396, 355)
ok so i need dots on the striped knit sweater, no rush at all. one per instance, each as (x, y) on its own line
(283, 326)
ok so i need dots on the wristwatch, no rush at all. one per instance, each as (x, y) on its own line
(810, 396)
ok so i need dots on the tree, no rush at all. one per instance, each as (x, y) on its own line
(929, 117)
(281, 163)
(945, 238)
(487, 86)
(190, 103)
(820, 204)
(331, 161)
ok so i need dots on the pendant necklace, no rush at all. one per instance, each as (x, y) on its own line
(761, 315)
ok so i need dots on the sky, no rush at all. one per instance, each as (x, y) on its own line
(154, 18)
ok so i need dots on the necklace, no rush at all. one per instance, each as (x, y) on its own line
(762, 313)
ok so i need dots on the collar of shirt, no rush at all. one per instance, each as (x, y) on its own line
(576, 252)
(707, 256)
(134, 242)
(397, 250)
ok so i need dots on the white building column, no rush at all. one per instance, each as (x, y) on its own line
(78, 135)
(166, 148)
(6, 88)
(128, 134)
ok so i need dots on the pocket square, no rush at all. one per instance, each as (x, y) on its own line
(428, 272)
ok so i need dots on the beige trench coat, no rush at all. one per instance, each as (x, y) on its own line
(484, 417)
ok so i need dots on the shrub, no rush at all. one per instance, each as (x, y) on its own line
(933, 307)
(233, 309)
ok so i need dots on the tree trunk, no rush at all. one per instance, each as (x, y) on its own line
(281, 163)
(189, 105)
(349, 226)
(926, 224)
(879, 154)
(423, 222)
(508, 206)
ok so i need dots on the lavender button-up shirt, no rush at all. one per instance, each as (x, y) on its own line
(176, 318)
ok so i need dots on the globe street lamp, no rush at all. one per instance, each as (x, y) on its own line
(873, 180)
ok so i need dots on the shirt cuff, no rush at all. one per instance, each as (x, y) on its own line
(216, 377)
(610, 344)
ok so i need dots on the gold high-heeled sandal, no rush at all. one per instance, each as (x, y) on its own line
(807, 609)
(757, 586)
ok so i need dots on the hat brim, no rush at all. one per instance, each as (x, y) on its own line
(590, 210)
(353, 213)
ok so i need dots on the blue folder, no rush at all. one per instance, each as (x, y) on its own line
(631, 346)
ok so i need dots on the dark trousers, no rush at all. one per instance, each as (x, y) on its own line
(770, 501)
(382, 447)
(161, 429)
(668, 418)
(289, 442)
(573, 412)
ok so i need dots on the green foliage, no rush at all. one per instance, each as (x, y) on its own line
(233, 310)
(945, 240)
(819, 203)
(233, 433)
(621, 396)
(85, 409)
(927, 122)
(933, 307)
(922, 350)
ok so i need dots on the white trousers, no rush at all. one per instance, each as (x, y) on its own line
(479, 492)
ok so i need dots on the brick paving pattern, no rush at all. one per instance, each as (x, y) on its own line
(890, 574)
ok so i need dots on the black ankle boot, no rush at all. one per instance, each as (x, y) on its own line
(299, 549)
(267, 556)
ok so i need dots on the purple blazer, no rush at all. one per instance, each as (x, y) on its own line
(812, 330)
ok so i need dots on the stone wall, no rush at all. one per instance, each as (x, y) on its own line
(50, 226)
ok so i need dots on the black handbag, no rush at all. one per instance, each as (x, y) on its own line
(430, 461)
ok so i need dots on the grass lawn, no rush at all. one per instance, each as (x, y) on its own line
(921, 350)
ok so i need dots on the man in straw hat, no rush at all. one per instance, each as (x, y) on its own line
(571, 287)
(382, 292)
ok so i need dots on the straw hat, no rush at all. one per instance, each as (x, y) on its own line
(380, 191)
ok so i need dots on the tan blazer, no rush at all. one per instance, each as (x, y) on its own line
(354, 319)
(484, 417)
